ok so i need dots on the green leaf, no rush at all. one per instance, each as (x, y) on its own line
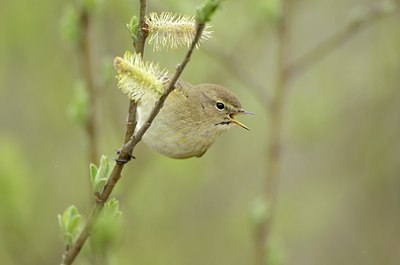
(111, 209)
(73, 223)
(104, 167)
(70, 224)
(99, 184)
(108, 229)
(207, 10)
(132, 27)
(99, 176)
(93, 172)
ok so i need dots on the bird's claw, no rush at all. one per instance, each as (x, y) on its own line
(121, 160)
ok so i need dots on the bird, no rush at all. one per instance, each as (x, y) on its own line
(192, 118)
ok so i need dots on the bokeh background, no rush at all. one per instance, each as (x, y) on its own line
(339, 184)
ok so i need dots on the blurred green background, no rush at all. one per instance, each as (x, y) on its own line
(339, 187)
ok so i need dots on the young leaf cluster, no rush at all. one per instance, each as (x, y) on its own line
(70, 225)
(100, 175)
(136, 78)
(107, 230)
(132, 27)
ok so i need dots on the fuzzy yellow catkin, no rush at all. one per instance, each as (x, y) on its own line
(137, 78)
(171, 30)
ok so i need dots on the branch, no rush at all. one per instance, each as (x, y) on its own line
(263, 230)
(142, 32)
(284, 74)
(375, 12)
(139, 47)
(126, 151)
(73, 251)
(171, 86)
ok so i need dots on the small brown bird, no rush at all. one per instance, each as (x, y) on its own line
(192, 116)
(191, 119)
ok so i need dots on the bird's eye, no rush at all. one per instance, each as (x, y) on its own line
(220, 105)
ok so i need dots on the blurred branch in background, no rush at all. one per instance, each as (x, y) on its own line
(232, 65)
(75, 30)
(263, 228)
(72, 251)
(285, 72)
(362, 17)
(91, 120)
(339, 191)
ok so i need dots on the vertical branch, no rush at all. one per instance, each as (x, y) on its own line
(285, 73)
(72, 252)
(130, 142)
(275, 136)
(142, 31)
(91, 121)
(139, 47)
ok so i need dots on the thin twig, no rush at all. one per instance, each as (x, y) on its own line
(126, 151)
(171, 86)
(130, 121)
(263, 231)
(142, 31)
(375, 12)
(139, 47)
(72, 252)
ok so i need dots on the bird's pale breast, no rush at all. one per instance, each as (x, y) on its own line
(175, 132)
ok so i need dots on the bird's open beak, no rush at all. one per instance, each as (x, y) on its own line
(232, 118)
